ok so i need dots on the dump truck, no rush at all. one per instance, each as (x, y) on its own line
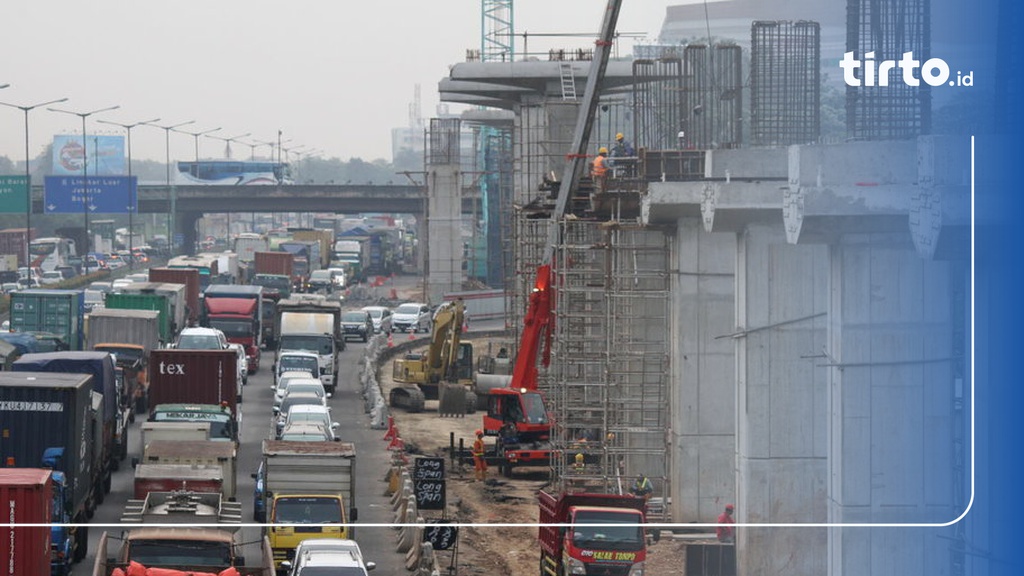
(171, 477)
(200, 453)
(48, 421)
(310, 484)
(181, 507)
(180, 552)
(27, 494)
(605, 534)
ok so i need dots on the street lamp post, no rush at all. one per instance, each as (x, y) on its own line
(196, 135)
(131, 189)
(170, 189)
(85, 172)
(270, 143)
(227, 148)
(28, 175)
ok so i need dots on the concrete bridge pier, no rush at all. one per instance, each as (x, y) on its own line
(847, 395)
(186, 225)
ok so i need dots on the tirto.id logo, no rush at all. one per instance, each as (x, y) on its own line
(934, 71)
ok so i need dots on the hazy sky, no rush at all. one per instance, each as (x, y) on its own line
(334, 75)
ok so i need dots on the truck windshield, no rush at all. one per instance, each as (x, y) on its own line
(199, 342)
(156, 553)
(300, 363)
(533, 403)
(233, 328)
(307, 510)
(619, 531)
(220, 424)
(322, 345)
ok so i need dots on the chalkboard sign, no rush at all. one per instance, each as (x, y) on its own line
(441, 536)
(428, 469)
(430, 494)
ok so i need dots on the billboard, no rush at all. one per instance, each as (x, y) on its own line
(106, 155)
(107, 195)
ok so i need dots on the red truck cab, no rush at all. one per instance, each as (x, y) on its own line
(604, 534)
(241, 321)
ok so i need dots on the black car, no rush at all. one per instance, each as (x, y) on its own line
(357, 323)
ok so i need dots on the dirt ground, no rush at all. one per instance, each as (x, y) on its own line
(493, 551)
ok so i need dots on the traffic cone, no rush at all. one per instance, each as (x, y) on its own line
(391, 340)
(396, 444)
(392, 431)
(412, 334)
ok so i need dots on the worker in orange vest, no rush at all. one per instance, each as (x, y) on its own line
(599, 168)
(479, 463)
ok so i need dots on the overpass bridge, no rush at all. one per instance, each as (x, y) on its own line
(189, 203)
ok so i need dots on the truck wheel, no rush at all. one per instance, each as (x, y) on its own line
(81, 545)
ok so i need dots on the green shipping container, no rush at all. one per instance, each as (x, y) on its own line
(157, 302)
(59, 312)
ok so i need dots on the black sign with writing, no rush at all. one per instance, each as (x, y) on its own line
(430, 494)
(428, 469)
(441, 536)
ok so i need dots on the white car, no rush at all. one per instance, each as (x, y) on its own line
(381, 317)
(201, 339)
(243, 364)
(411, 316)
(312, 412)
(285, 378)
(328, 556)
(301, 386)
(51, 277)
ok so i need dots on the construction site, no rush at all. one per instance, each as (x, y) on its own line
(740, 309)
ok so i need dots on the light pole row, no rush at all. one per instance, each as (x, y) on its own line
(131, 197)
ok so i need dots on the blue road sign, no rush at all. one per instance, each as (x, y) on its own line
(107, 195)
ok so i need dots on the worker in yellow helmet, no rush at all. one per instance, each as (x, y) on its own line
(623, 156)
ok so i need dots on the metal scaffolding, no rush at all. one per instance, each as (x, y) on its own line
(785, 83)
(608, 381)
(888, 29)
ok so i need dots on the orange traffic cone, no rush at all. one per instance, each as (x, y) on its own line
(391, 340)
(392, 431)
(412, 334)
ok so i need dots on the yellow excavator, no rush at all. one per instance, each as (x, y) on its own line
(444, 372)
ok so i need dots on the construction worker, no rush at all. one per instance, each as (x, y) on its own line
(599, 168)
(578, 464)
(725, 532)
(479, 463)
(622, 156)
(642, 487)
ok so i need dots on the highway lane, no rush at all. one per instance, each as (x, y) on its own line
(347, 406)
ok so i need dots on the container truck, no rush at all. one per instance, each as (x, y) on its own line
(27, 495)
(12, 241)
(187, 276)
(200, 453)
(113, 446)
(324, 237)
(206, 264)
(227, 267)
(129, 335)
(306, 256)
(194, 376)
(248, 244)
(605, 534)
(277, 263)
(308, 483)
(59, 312)
(173, 292)
(47, 421)
(200, 551)
(271, 296)
(145, 301)
(237, 311)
